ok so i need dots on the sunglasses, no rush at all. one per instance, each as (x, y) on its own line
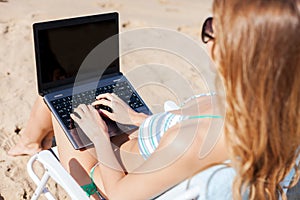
(207, 33)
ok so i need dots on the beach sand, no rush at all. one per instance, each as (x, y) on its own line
(18, 77)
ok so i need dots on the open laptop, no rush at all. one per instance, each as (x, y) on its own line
(61, 48)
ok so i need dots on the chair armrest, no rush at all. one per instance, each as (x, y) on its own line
(56, 171)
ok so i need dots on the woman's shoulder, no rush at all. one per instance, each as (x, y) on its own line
(192, 137)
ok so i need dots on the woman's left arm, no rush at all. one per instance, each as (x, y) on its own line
(149, 180)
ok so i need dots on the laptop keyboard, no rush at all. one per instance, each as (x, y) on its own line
(65, 106)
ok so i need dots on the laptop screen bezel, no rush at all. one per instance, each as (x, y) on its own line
(44, 88)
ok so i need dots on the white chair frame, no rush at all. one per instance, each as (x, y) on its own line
(53, 169)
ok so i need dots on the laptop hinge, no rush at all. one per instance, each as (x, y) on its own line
(50, 90)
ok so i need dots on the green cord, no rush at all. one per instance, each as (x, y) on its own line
(91, 188)
(92, 172)
(205, 116)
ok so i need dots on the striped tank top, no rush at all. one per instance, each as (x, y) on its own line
(154, 127)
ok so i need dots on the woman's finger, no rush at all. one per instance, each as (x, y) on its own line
(90, 107)
(94, 111)
(83, 108)
(79, 111)
(75, 118)
(102, 102)
(108, 114)
(107, 96)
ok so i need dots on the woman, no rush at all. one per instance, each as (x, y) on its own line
(255, 45)
(257, 51)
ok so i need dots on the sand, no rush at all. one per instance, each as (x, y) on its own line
(17, 65)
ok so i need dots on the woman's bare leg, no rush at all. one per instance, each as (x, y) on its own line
(77, 162)
(38, 133)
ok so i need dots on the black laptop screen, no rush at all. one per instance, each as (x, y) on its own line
(61, 47)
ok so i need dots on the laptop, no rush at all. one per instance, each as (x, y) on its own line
(67, 77)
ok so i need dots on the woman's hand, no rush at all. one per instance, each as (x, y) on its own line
(121, 112)
(89, 120)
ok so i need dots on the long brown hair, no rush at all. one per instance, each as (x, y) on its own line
(257, 51)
